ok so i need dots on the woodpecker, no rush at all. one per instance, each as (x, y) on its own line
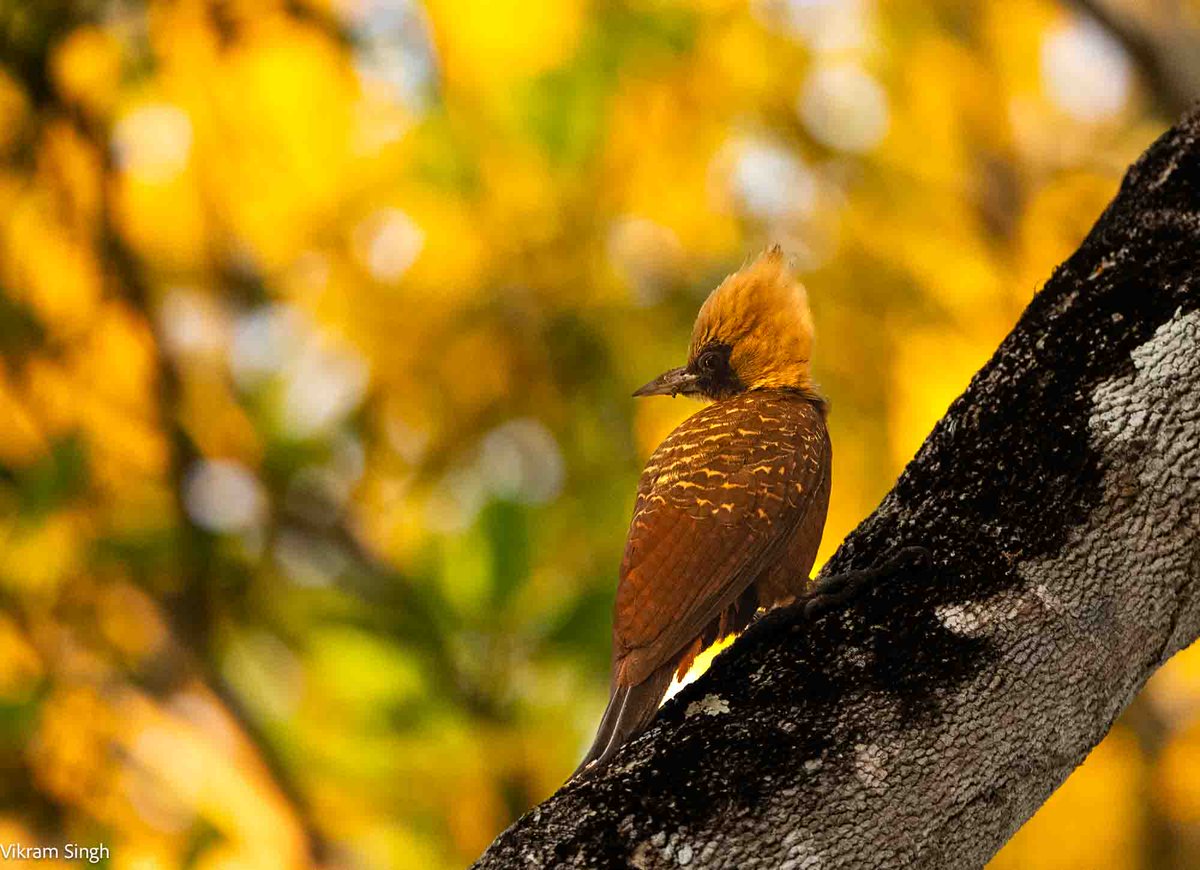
(731, 506)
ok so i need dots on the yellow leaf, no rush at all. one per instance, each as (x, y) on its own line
(87, 69)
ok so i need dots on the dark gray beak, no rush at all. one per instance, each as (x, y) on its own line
(675, 382)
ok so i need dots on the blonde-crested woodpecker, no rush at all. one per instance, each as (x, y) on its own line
(731, 506)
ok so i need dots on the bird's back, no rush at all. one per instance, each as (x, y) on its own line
(736, 493)
(728, 518)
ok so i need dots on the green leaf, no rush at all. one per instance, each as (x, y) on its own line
(505, 525)
(56, 479)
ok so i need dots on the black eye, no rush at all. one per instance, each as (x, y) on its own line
(708, 362)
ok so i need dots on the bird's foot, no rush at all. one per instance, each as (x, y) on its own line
(837, 590)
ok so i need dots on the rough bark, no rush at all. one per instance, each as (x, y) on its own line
(923, 723)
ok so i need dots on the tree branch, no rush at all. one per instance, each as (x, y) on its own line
(924, 722)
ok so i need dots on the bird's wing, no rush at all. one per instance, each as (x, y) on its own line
(717, 502)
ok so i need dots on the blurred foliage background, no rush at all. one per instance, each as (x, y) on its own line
(318, 324)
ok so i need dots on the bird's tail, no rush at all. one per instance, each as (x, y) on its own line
(630, 709)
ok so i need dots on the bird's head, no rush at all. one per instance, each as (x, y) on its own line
(753, 332)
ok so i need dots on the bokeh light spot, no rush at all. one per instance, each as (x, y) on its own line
(224, 496)
(771, 182)
(153, 142)
(1085, 72)
(844, 107)
(388, 243)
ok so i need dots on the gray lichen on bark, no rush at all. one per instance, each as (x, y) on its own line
(922, 724)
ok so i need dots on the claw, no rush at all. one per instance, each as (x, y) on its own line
(909, 557)
(838, 589)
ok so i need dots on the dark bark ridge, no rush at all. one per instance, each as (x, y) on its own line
(921, 724)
